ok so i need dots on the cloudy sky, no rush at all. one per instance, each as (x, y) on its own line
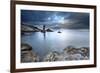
(55, 19)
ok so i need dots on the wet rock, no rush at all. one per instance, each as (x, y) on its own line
(72, 53)
(84, 51)
(70, 50)
(74, 57)
(52, 56)
(68, 54)
(27, 55)
(26, 47)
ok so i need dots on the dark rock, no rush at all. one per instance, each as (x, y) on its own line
(59, 31)
(52, 56)
(73, 53)
(84, 51)
(70, 49)
(49, 30)
(25, 47)
(68, 54)
(27, 55)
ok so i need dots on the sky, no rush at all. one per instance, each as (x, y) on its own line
(55, 19)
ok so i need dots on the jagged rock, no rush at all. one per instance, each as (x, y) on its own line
(52, 56)
(27, 55)
(84, 51)
(70, 50)
(73, 53)
(68, 54)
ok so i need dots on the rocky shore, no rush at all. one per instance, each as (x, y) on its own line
(68, 54)
(27, 55)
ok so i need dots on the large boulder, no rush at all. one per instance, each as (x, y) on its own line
(27, 55)
(25, 47)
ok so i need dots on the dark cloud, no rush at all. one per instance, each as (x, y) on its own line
(70, 20)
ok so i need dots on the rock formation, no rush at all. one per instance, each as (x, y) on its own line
(52, 56)
(73, 53)
(27, 55)
(68, 54)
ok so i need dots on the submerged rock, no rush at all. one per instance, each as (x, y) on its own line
(27, 55)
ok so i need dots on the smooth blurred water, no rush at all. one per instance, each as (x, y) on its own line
(54, 41)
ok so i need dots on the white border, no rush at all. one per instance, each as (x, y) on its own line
(52, 64)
